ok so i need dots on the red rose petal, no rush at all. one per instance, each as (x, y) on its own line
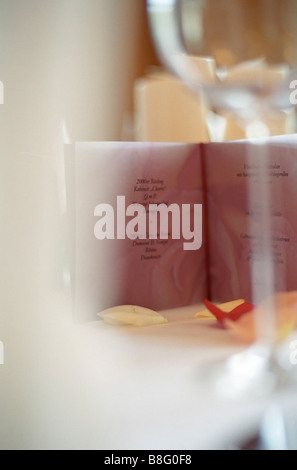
(234, 315)
(216, 311)
(241, 310)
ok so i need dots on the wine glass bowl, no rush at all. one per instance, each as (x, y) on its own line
(238, 52)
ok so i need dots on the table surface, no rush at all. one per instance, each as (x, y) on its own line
(95, 386)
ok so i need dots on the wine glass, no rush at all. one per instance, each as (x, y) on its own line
(241, 55)
(223, 48)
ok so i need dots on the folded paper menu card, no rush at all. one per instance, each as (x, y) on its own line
(166, 225)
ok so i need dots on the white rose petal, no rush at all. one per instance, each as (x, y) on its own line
(132, 315)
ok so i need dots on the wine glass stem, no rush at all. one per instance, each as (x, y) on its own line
(260, 200)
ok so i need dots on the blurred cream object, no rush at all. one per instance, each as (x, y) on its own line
(255, 73)
(68, 69)
(166, 111)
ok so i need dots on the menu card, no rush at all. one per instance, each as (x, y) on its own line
(165, 225)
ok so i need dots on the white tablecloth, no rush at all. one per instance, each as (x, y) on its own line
(94, 386)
